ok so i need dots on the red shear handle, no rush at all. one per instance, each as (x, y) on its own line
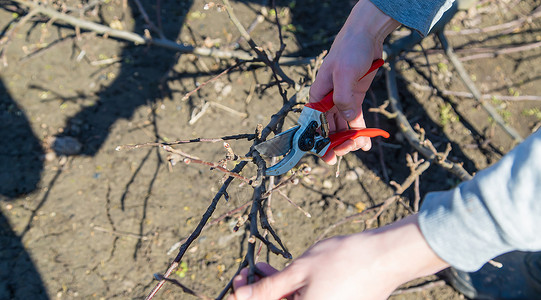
(327, 102)
(342, 136)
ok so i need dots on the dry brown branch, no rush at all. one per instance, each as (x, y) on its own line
(188, 159)
(473, 89)
(261, 134)
(261, 54)
(506, 27)
(416, 170)
(411, 136)
(286, 181)
(147, 19)
(4, 41)
(197, 115)
(248, 136)
(228, 109)
(217, 220)
(307, 214)
(271, 187)
(492, 53)
(197, 231)
(257, 20)
(485, 52)
(382, 109)
(210, 80)
(427, 88)
(184, 288)
(377, 140)
(131, 36)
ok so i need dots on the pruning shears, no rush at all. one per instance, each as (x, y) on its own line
(311, 135)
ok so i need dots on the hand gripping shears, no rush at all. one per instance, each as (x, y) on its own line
(312, 134)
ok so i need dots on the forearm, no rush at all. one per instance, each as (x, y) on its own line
(367, 19)
(496, 212)
(367, 265)
(404, 253)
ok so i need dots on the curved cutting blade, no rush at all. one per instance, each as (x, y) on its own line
(278, 145)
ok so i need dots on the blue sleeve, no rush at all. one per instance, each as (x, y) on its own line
(498, 211)
(420, 15)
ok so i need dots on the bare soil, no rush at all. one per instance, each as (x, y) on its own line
(100, 223)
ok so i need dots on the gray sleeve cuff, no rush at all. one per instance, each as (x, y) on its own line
(416, 14)
(498, 211)
(459, 230)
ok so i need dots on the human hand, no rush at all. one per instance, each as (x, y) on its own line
(357, 45)
(368, 265)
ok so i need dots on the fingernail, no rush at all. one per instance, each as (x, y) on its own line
(348, 114)
(244, 293)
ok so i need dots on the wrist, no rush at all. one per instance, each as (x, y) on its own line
(367, 18)
(404, 253)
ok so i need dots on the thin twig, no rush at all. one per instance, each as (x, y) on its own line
(415, 172)
(427, 88)
(147, 19)
(8, 35)
(193, 236)
(382, 109)
(197, 116)
(378, 139)
(473, 89)
(484, 52)
(6, 39)
(248, 136)
(131, 36)
(411, 136)
(285, 181)
(228, 109)
(492, 53)
(507, 27)
(211, 80)
(188, 159)
(217, 220)
(184, 288)
(276, 119)
(270, 188)
(380, 208)
(307, 214)
(276, 70)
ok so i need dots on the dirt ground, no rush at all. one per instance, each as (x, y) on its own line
(99, 223)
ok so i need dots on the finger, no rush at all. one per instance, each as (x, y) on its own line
(362, 142)
(242, 278)
(266, 269)
(239, 280)
(330, 157)
(276, 286)
(345, 148)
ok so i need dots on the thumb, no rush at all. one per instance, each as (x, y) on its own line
(273, 287)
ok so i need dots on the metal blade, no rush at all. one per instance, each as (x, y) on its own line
(278, 145)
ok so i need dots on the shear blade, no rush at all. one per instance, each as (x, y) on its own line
(278, 145)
